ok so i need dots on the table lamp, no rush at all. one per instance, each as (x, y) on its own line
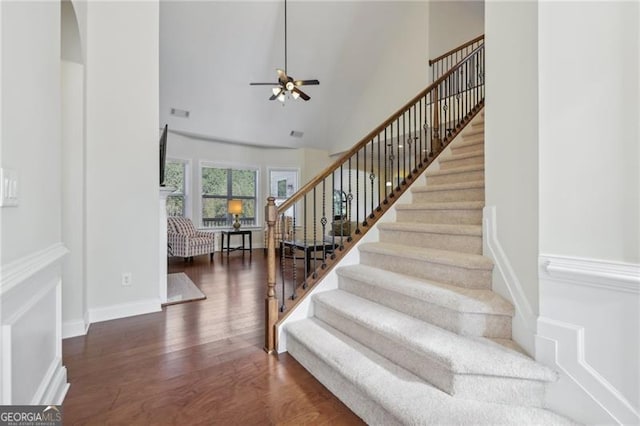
(235, 208)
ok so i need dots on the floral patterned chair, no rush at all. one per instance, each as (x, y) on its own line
(184, 240)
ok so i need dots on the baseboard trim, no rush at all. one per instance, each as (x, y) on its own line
(74, 328)
(618, 276)
(524, 325)
(53, 387)
(567, 351)
(18, 271)
(124, 310)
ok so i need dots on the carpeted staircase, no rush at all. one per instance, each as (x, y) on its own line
(414, 334)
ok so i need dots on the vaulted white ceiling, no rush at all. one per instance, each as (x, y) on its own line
(370, 57)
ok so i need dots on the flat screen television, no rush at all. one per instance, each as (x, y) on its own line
(163, 154)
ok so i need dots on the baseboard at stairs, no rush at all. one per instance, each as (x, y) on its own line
(124, 310)
(54, 385)
(507, 284)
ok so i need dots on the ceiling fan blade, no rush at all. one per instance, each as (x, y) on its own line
(301, 93)
(306, 82)
(264, 84)
(282, 76)
(275, 95)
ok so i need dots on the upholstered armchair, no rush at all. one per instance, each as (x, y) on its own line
(283, 231)
(184, 240)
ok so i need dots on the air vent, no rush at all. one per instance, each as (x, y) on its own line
(180, 112)
(296, 134)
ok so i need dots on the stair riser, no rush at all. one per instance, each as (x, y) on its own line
(473, 131)
(466, 324)
(462, 243)
(422, 364)
(449, 217)
(468, 147)
(470, 194)
(500, 390)
(447, 274)
(469, 161)
(440, 179)
(419, 364)
(353, 397)
(472, 137)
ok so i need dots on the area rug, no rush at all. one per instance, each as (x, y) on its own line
(181, 289)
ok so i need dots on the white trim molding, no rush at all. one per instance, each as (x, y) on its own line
(30, 329)
(524, 323)
(20, 270)
(616, 276)
(563, 345)
(598, 364)
(106, 313)
(74, 328)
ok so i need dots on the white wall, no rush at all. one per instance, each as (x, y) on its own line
(309, 161)
(121, 157)
(511, 157)
(452, 23)
(589, 205)
(31, 370)
(392, 69)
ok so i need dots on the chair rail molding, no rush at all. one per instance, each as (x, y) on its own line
(18, 271)
(617, 276)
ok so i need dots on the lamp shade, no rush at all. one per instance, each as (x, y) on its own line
(234, 206)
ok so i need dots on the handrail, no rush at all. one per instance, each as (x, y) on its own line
(335, 209)
(329, 169)
(456, 49)
(448, 60)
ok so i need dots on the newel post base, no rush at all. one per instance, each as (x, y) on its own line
(271, 301)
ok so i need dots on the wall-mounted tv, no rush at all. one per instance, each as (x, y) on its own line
(163, 154)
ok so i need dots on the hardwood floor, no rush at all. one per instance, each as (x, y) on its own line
(195, 363)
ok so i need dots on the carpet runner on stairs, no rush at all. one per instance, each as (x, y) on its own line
(414, 334)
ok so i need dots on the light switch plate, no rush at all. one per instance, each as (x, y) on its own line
(8, 188)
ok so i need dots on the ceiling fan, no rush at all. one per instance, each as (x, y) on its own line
(286, 84)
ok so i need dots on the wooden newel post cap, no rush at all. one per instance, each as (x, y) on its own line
(270, 211)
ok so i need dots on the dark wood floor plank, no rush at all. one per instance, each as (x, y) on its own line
(196, 363)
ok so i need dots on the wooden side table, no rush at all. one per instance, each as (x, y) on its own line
(243, 247)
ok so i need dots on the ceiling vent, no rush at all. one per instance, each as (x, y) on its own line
(296, 134)
(180, 112)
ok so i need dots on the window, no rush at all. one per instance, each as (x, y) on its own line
(175, 177)
(220, 185)
(283, 184)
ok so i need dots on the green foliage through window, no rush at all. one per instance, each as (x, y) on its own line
(220, 185)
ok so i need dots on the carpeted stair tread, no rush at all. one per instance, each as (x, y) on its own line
(456, 170)
(448, 186)
(444, 257)
(385, 393)
(452, 297)
(432, 228)
(443, 205)
(460, 355)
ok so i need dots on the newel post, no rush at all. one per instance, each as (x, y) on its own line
(271, 301)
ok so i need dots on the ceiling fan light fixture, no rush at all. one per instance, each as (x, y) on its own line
(276, 91)
(295, 95)
(281, 97)
(289, 85)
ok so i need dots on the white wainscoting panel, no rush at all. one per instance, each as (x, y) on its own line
(30, 289)
(589, 331)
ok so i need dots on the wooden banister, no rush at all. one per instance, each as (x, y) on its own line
(456, 49)
(371, 176)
